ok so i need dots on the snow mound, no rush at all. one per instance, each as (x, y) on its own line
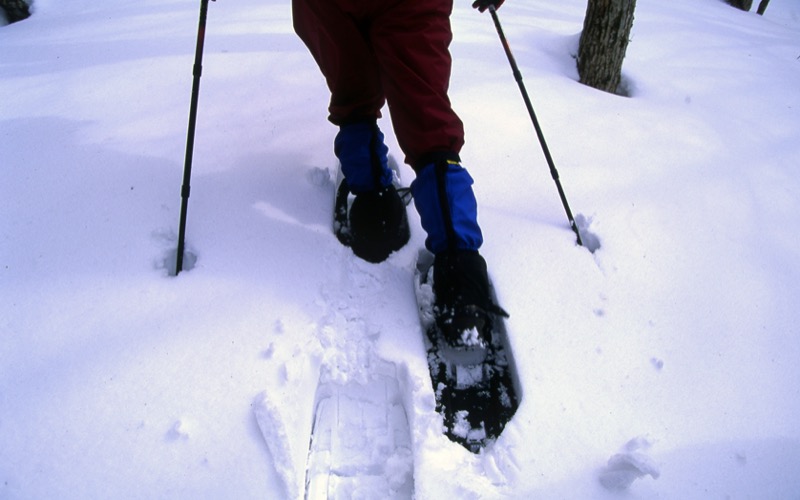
(630, 464)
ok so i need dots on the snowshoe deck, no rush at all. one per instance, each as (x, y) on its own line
(477, 392)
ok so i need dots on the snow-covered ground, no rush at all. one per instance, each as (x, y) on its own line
(671, 352)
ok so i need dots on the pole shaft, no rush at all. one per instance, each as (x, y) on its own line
(197, 72)
(550, 163)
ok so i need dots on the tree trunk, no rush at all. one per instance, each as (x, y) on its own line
(762, 7)
(603, 43)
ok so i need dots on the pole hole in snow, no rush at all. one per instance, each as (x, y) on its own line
(590, 240)
(170, 261)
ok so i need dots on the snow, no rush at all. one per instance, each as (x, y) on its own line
(663, 364)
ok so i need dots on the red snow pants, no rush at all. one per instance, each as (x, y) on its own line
(373, 52)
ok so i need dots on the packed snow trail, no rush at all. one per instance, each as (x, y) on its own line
(358, 437)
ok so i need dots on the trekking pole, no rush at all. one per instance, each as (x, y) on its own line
(539, 133)
(187, 166)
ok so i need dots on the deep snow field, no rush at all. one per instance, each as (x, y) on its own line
(670, 353)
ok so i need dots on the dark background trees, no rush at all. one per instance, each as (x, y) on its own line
(741, 4)
(747, 4)
(15, 10)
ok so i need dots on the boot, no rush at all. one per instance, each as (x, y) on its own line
(448, 210)
(461, 287)
(376, 223)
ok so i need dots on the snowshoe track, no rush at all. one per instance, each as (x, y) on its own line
(361, 442)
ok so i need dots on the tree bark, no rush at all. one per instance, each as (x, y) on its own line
(604, 40)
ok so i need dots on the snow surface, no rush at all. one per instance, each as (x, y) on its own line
(663, 365)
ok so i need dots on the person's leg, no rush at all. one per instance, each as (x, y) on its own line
(335, 33)
(336, 39)
(342, 52)
(411, 42)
